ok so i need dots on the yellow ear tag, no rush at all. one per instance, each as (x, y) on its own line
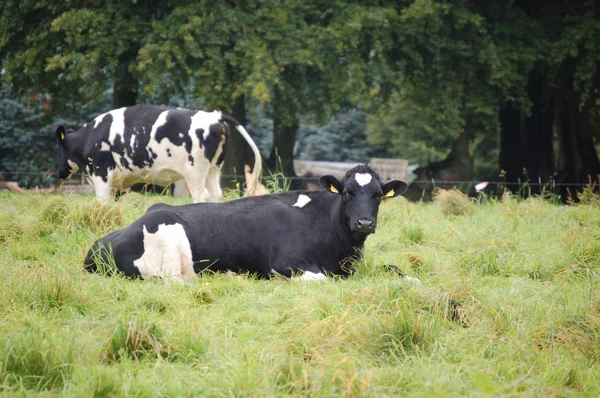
(62, 136)
(333, 189)
(389, 194)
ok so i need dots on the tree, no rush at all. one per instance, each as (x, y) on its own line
(293, 58)
(343, 139)
(26, 136)
(562, 103)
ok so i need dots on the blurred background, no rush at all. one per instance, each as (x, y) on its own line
(457, 92)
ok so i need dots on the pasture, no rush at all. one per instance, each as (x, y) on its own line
(508, 304)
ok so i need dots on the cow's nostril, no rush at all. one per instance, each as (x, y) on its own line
(364, 225)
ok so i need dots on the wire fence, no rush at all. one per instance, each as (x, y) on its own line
(433, 183)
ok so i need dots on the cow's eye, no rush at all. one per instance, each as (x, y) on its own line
(348, 194)
(377, 196)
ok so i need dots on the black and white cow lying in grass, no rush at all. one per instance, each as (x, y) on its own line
(311, 234)
(152, 144)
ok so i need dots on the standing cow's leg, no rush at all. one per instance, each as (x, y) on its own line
(213, 183)
(103, 188)
(196, 183)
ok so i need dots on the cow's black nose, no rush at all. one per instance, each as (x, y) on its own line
(365, 225)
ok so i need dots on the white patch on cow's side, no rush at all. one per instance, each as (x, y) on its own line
(311, 276)
(363, 178)
(99, 119)
(132, 142)
(203, 120)
(105, 147)
(167, 253)
(302, 201)
(117, 127)
(160, 120)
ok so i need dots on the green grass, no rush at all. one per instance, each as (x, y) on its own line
(508, 304)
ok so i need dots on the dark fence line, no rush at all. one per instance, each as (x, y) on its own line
(433, 183)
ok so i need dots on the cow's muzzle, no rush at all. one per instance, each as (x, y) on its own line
(364, 226)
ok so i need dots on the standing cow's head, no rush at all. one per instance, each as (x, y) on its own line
(362, 193)
(65, 166)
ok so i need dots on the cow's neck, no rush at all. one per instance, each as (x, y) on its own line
(75, 142)
(346, 245)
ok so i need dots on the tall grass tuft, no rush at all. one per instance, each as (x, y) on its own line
(453, 202)
(90, 214)
(32, 359)
(277, 182)
(56, 292)
(135, 340)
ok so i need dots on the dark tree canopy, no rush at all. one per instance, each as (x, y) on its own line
(519, 80)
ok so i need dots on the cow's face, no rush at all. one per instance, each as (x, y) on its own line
(362, 193)
(65, 167)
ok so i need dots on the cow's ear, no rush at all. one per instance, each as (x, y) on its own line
(394, 188)
(61, 134)
(331, 184)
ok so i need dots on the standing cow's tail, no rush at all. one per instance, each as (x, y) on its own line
(257, 169)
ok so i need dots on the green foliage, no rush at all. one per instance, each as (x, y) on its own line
(343, 138)
(422, 69)
(23, 138)
(28, 140)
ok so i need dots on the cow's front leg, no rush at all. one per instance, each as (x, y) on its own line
(103, 187)
(306, 270)
(311, 273)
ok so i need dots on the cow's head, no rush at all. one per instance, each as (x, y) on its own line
(65, 166)
(362, 192)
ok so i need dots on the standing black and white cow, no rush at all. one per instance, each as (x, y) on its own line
(298, 232)
(152, 144)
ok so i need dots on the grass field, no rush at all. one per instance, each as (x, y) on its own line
(508, 305)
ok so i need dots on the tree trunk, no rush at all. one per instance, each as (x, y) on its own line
(512, 148)
(285, 126)
(539, 130)
(526, 142)
(457, 166)
(125, 87)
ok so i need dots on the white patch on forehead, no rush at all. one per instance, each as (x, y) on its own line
(311, 276)
(167, 253)
(363, 178)
(302, 201)
(203, 120)
(105, 147)
(117, 127)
